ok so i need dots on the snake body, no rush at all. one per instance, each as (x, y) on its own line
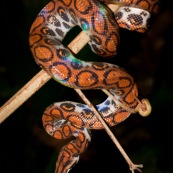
(64, 119)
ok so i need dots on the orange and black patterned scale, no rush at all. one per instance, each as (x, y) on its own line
(65, 119)
(57, 122)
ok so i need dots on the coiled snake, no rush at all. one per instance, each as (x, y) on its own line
(64, 119)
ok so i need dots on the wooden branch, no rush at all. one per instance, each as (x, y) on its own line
(23, 94)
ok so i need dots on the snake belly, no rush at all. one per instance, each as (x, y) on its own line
(65, 119)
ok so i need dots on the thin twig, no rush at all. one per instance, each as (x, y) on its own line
(109, 132)
(103, 123)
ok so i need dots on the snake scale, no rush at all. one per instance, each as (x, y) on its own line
(65, 119)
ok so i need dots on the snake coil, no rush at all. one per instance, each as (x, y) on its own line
(64, 119)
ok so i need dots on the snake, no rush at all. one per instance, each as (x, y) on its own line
(64, 119)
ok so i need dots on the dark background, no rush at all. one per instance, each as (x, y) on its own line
(24, 145)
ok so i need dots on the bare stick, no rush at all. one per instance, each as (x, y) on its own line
(23, 94)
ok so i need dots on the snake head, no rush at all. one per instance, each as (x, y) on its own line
(135, 16)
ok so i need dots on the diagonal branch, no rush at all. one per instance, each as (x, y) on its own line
(23, 94)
